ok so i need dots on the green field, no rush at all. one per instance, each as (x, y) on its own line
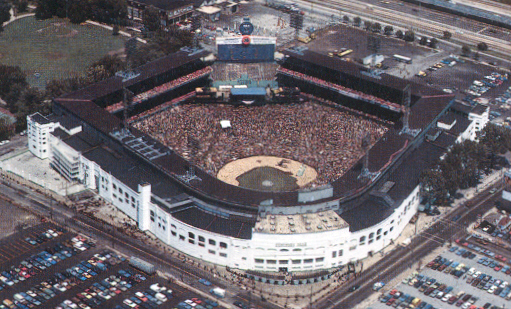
(54, 48)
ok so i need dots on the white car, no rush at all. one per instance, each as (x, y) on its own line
(157, 288)
(446, 297)
(129, 303)
(477, 273)
(492, 289)
(504, 284)
(466, 305)
(161, 297)
(53, 233)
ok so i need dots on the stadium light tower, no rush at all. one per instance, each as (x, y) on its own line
(296, 22)
(194, 146)
(365, 144)
(407, 96)
(373, 45)
(126, 75)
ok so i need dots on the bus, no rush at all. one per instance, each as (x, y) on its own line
(344, 53)
(402, 58)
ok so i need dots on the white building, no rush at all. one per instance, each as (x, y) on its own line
(307, 230)
(272, 242)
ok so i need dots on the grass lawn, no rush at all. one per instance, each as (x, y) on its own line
(53, 48)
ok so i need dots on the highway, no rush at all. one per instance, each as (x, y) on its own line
(402, 258)
(421, 20)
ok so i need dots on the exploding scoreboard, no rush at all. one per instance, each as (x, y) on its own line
(246, 48)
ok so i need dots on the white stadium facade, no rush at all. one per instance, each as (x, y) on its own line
(305, 230)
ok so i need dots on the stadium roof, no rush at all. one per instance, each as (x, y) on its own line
(92, 114)
(354, 69)
(226, 225)
(405, 179)
(164, 172)
(146, 71)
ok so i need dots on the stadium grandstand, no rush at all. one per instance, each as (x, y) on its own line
(341, 130)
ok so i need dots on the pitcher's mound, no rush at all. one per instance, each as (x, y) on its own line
(267, 173)
(267, 179)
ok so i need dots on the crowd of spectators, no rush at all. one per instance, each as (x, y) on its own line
(162, 88)
(321, 136)
(235, 71)
(346, 91)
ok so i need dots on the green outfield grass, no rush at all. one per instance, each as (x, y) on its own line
(53, 48)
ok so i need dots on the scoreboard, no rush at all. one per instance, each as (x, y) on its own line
(246, 49)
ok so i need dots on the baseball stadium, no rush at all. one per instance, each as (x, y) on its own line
(297, 166)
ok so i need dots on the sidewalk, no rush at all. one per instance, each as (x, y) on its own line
(123, 33)
(13, 18)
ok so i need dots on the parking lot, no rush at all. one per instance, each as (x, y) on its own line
(459, 277)
(46, 266)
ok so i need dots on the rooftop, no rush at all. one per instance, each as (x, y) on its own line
(148, 70)
(354, 69)
(40, 119)
(299, 224)
(166, 5)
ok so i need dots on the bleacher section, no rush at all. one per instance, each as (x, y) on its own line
(250, 74)
(150, 75)
(173, 84)
(343, 90)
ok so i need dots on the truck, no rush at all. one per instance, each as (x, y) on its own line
(142, 265)
(218, 292)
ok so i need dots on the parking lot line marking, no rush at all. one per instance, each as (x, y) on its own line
(6, 253)
(9, 250)
(24, 245)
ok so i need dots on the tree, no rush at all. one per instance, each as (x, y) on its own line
(77, 11)
(104, 68)
(376, 27)
(357, 21)
(388, 30)
(447, 35)
(151, 18)
(21, 5)
(6, 128)
(496, 138)
(434, 186)
(32, 100)
(399, 34)
(433, 43)
(109, 11)
(409, 36)
(423, 41)
(368, 25)
(104, 11)
(5, 14)
(482, 46)
(57, 87)
(48, 8)
(9, 77)
(161, 44)
(346, 18)
(465, 51)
